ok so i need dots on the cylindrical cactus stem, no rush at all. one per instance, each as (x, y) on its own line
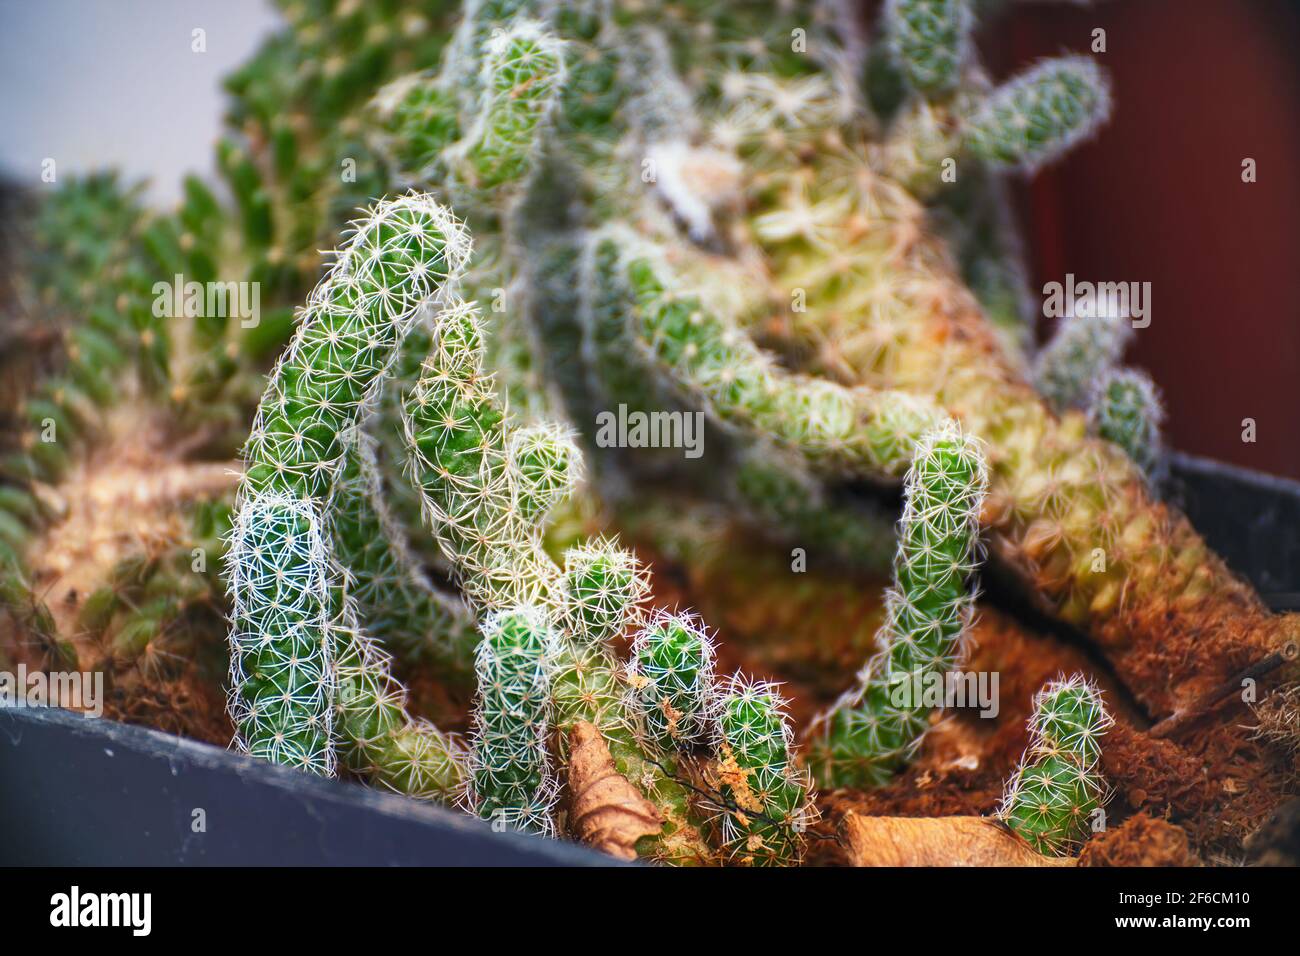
(859, 431)
(402, 608)
(767, 804)
(670, 682)
(477, 154)
(523, 72)
(1125, 408)
(281, 660)
(512, 780)
(930, 42)
(875, 728)
(378, 738)
(1040, 114)
(1053, 795)
(398, 257)
(457, 447)
(1083, 349)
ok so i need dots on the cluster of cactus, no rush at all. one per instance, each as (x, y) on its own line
(761, 803)
(738, 211)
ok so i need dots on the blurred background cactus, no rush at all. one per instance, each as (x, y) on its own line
(722, 279)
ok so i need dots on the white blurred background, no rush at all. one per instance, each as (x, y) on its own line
(94, 83)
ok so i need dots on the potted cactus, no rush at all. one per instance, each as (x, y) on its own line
(628, 474)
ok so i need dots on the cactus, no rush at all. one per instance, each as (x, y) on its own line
(511, 776)
(929, 41)
(1125, 409)
(876, 727)
(1083, 350)
(1052, 796)
(767, 807)
(477, 154)
(283, 669)
(1034, 118)
(834, 428)
(774, 267)
(671, 678)
(465, 457)
(281, 649)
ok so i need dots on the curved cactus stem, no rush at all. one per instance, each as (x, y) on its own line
(460, 462)
(858, 432)
(398, 258)
(875, 728)
(378, 738)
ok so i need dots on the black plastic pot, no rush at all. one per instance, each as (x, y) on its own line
(75, 791)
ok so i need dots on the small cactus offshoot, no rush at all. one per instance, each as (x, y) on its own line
(670, 674)
(767, 804)
(1125, 408)
(1053, 795)
(1041, 114)
(929, 41)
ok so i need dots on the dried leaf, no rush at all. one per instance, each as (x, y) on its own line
(606, 811)
(938, 841)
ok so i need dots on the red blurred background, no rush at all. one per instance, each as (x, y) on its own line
(1199, 85)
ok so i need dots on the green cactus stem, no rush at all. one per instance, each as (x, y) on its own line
(1126, 409)
(512, 781)
(671, 682)
(876, 727)
(767, 808)
(1083, 350)
(1036, 117)
(929, 41)
(1053, 795)
(282, 668)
